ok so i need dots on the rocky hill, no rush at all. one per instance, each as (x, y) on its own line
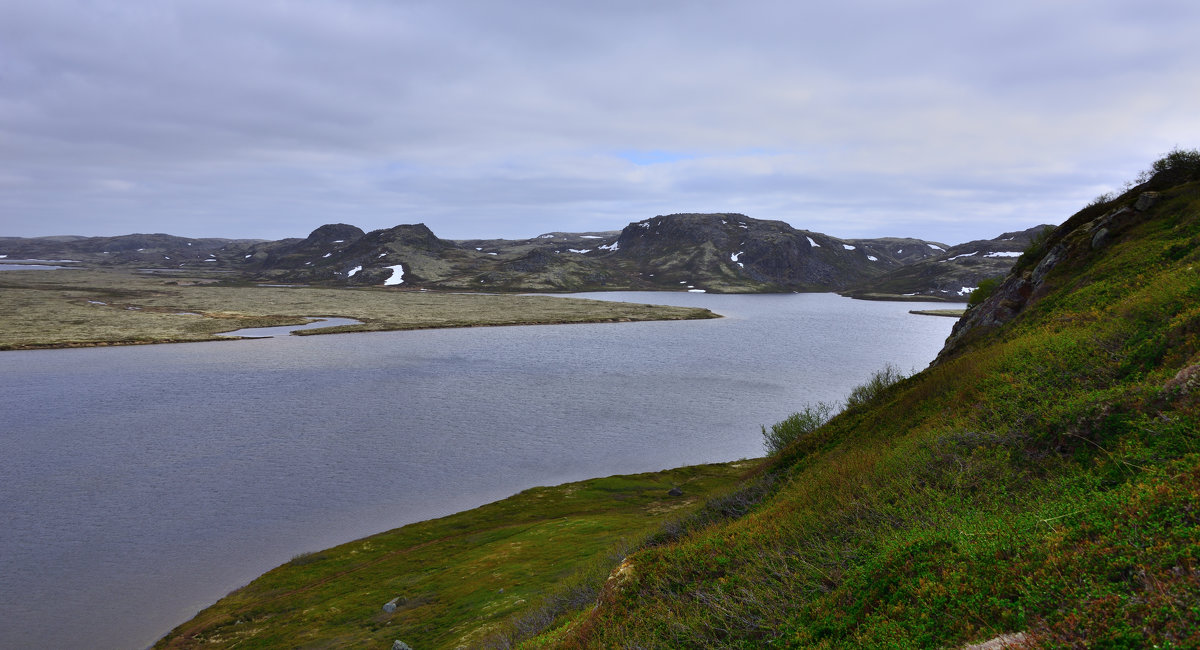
(1036, 487)
(953, 273)
(723, 252)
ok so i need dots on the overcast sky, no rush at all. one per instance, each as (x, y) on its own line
(943, 120)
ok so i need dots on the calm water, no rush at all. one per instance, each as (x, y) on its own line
(140, 484)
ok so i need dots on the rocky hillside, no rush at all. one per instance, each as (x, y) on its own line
(953, 273)
(722, 252)
(1036, 486)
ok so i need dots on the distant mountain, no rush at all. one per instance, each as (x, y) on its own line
(952, 274)
(719, 252)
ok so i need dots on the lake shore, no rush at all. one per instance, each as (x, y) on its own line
(91, 308)
(456, 580)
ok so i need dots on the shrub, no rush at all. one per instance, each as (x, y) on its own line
(804, 422)
(1035, 252)
(984, 291)
(875, 386)
(1179, 162)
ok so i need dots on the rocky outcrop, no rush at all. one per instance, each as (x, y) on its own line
(1069, 245)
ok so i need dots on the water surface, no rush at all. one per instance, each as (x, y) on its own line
(139, 484)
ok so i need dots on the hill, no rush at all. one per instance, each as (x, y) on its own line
(722, 252)
(1037, 485)
(1040, 480)
(952, 274)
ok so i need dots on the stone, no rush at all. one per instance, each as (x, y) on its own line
(675, 492)
(400, 645)
(1146, 200)
(390, 606)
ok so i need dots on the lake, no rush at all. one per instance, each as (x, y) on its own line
(140, 484)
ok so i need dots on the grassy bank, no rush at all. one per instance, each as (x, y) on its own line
(456, 580)
(1041, 480)
(70, 308)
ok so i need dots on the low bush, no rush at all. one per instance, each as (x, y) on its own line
(984, 291)
(879, 382)
(798, 424)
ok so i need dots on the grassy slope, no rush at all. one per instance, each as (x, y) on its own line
(455, 578)
(1046, 479)
(63, 308)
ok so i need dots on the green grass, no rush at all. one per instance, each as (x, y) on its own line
(457, 579)
(68, 308)
(1043, 479)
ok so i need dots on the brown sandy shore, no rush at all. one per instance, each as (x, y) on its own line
(89, 308)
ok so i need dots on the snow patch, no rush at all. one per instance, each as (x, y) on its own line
(210, 260)
(246, 257)
(696, 291)
(612, 246)
(1002, 254)
(326, 255)
(339, 241)
(353, 271)
(900, 251)
(847, 247)
(873, 258)
(935, 247)
(580, 250)
(397, 275)
(382, 255)
(949, 259)
(966, 291)
(734, 257)
(590, 237)
(478, 248)
(493, 253)
(812, 243)
(546, 236)
(96, 302)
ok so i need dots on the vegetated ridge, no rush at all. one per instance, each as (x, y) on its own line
(1039, 483)
(722, 252)
(1037, 486)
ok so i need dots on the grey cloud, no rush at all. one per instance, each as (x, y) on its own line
(862, 118)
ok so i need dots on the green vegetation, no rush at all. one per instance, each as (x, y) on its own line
(455, 580)
(984, 291)
(1042, 479)
(803, 422)
(69, 308)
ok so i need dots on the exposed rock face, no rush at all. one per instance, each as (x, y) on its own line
(334, 232)
(1070, 244)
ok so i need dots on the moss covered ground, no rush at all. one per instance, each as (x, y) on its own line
(1042, 479)
(455, 580)
(69, 308)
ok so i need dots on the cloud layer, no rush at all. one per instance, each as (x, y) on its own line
(944, 120)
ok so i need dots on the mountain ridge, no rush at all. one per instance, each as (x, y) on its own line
(717, 252)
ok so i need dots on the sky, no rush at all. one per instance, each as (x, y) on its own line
(944, 120)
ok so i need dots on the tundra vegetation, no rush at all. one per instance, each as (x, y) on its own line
(1041, 479)
(71, 308)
